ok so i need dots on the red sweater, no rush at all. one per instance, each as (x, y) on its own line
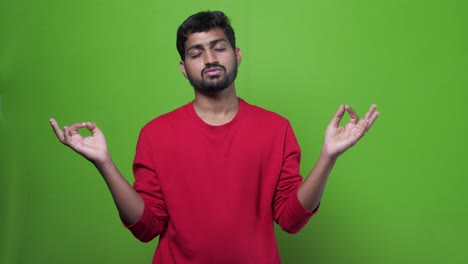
(212, 192)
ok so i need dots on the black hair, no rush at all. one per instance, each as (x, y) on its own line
(202, 22)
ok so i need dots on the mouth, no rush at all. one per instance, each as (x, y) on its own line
(213, 71)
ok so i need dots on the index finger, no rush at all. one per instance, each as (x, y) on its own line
(74, 128)
(354, 116)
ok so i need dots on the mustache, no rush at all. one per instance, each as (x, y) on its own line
(211, 67)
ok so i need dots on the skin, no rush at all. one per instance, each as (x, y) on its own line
(94, 148)
(204, 50)
(204, 63)
(338, 139)
(213, 108)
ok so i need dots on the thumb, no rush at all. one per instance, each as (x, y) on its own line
(91, 126)
(335, 122)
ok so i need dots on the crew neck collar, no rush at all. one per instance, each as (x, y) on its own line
(202, 123)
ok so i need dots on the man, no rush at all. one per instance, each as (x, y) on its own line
(212, 176)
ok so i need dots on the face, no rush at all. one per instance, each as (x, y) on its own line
(210, 62)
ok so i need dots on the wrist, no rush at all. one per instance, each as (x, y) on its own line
(326, 157)
(104, 163)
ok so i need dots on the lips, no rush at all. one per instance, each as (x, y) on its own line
(213, 71)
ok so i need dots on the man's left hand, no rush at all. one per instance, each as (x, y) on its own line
(339, 139)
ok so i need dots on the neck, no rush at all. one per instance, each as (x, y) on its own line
(217, 109)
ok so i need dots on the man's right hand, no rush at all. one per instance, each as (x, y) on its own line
(93, 148)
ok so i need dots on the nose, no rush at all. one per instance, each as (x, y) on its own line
(211, 58)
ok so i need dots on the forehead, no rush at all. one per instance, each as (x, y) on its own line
(205, 37)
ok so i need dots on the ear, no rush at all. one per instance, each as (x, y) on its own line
(182, 69)
(238, 56)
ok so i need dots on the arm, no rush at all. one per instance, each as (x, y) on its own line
(288, 212)
(337, 141)
(94, 148)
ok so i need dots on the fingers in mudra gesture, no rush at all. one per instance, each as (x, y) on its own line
(338, 138)
(93, 148)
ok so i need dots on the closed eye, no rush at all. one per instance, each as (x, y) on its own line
(195, 55)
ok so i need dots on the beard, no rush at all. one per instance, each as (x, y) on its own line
(213, 84)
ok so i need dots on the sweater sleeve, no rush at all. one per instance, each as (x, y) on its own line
(288, 212)
(155, 216)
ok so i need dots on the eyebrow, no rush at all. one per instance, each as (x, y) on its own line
(211, 44)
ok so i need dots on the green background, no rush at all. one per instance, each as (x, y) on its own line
(399, 196)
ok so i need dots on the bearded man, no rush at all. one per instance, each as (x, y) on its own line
(212, 176)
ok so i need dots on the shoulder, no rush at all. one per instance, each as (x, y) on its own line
(167, 119)
(263, 116)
